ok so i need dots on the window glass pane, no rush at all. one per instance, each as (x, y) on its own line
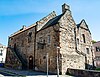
(48, 38)
(77, 41)
(87, 49)
(83, 38)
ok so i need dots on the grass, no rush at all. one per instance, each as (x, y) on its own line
(98, 69)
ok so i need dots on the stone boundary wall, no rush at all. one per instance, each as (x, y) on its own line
(83, 73)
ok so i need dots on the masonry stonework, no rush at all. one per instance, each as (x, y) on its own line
(28, 47)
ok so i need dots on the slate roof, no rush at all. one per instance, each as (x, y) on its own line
(78, 25)
(52, 21)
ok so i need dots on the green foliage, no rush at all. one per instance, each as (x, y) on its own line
(98, 69)
(93, 41)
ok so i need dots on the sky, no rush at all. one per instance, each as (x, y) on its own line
(16, 13)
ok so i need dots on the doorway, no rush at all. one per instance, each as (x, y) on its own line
(31, 62)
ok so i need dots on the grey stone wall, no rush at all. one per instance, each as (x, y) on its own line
(46, 41)
(37, 42)
(24, 42)
(72, 61)
(70, 58)
(83, 73)
(81, 46)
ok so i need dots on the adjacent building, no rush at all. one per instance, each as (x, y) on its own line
(56, 35)
(2, 54)
(97, 54)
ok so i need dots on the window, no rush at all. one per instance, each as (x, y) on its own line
(22, 43)
(40, 61)
(40, 43)
(40, 39)
(77, 40)
(83, 38)
(1, 46)
(2, 60)
(97, 49)
(49, 61)
(87, 49)
(1, 52)
(48, 38)
(10, 39)
(29, 37)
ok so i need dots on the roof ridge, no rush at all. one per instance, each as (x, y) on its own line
(52, 21)
(21, 30)
(44, 20)
(50, 14)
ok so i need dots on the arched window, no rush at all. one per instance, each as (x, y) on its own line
(31, 62)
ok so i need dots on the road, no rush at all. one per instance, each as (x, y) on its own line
(27, 73)
(3, 74)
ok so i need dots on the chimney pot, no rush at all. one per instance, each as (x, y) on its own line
(65, 7)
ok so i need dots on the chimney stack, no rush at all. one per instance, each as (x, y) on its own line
(65, 7)
(23, 27)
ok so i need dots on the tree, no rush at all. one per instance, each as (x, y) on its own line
(93, 41)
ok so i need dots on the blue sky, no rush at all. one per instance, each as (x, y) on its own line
(15, 13)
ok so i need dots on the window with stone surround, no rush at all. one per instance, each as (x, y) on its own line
(48, 39)
(10, 38)
(77, 40)
(29, 37)
(2, 60)
(40, 43)
(49, 62)
(83, 38)
(87, 50)
(1, 53)
(40, 39)
(22, 43)
(40, 61)
(97, 49)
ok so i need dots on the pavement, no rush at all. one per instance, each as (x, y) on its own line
(5, 72)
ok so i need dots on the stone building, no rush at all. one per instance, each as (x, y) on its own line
(57, 35)
(2, 54)
(97, 54)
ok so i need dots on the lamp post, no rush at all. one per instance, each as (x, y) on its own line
(47, 63)
(58, 61)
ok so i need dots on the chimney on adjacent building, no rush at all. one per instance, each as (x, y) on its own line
(65, 7)
(23, 27)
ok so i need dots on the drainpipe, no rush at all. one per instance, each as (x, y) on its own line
(75, 39)
(34, 48)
